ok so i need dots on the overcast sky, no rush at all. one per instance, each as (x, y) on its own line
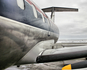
(72, 25)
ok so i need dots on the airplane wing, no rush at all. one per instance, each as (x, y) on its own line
(62, 54)
(59, 9)
(69, 44)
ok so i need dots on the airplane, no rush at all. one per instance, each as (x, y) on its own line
(27, 35)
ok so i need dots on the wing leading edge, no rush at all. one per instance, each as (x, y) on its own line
(62, 54)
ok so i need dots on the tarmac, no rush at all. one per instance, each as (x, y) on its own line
(52, 65)
(42, 66)
(46, 66)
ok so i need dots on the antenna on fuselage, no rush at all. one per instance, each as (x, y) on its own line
(58, 9)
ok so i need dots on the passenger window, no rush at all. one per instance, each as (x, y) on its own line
(20, 4)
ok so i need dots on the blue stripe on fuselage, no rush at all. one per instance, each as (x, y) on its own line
(10, 9)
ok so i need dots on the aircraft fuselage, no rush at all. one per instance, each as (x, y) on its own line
(21, 30)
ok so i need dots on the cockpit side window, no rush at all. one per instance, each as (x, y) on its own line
(34, 10)
(43, 18)
(46, 20)
(21, 4)
(40, 15)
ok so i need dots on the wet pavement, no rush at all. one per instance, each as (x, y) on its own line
(52, 65)
(46, 66)
(42, 66)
